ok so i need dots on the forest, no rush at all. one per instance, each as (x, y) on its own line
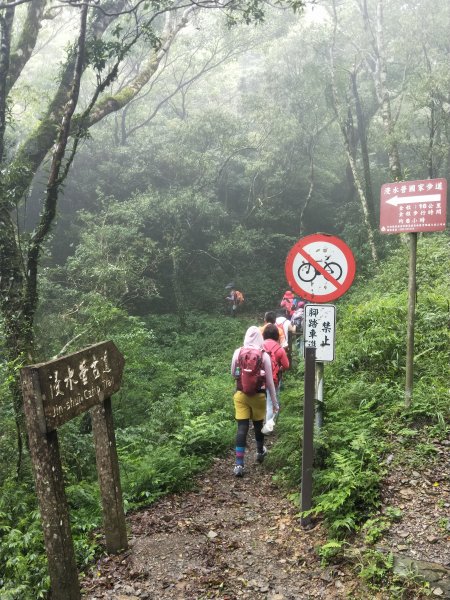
(152, 152)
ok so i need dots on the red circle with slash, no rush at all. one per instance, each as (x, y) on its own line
(320, 267)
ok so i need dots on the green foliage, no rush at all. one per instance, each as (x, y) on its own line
(114, 258)
(221, 190)
(330, 550)
(285, 457)
(200, 435)
(374, 347)
(99, 52)
(350, 483)
(23, 565)
(158, 472)
(375, 568)
(7, 424)
(393, 512)
(364, 398)
(173, 414)
(374, 529)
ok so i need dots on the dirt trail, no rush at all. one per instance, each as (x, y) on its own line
(230, 538)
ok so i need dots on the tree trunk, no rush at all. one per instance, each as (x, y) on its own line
(6, 24)
(377, 66)
(310, 191)
(178, 292)
(19, 294)
(349, 148)
(364, 150)
(17, 336)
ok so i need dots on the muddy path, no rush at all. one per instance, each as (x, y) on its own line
(231, 538)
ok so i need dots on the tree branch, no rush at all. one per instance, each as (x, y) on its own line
(114, 103)
(6, 25)
(54, 180)
(27, 41)
(33, 151)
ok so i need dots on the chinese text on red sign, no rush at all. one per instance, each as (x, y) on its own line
(413, 206)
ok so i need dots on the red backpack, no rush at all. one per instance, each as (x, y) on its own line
(250, 380)
(276, 368)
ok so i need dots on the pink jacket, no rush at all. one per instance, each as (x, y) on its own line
(278, 353)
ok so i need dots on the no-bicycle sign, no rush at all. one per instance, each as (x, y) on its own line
(320, 267)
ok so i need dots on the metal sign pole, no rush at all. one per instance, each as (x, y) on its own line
(412, 289)
(319, 394)
(308, 434)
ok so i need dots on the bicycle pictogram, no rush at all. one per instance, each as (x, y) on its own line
(307, 273)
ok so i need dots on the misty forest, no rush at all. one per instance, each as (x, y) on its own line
(156, 153)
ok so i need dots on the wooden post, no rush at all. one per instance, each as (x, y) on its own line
(308, 434)
(55, 392)
(108, 477)
(49, 481)
(412, 290)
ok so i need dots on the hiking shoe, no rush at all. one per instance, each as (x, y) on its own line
(260, 455)
(238, 471)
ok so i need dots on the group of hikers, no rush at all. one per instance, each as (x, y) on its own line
(257, 367)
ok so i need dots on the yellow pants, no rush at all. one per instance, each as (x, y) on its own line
(249, 407)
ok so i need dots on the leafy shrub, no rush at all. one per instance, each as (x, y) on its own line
(23, 565)
(159, 472)
(364, 392)
(201, 435)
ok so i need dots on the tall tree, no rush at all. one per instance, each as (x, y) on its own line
(377, 65)
(107, 35)
(344, 117)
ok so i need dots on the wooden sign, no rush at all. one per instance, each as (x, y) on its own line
(53, 393)
(71, 385)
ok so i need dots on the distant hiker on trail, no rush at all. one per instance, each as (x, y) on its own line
(252, 369)
(285, 325)
(280, 363)
(287, 303)
(297, 317)
(270, 317)
(234, 298)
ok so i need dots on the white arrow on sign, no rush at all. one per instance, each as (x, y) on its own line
(396, 200)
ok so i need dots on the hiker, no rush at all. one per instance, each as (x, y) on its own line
(287, 303)
(296, 324)
(235, 298)
(252, 369)
(270, 317)
(298, 316)
(280, 363)
(285, 326)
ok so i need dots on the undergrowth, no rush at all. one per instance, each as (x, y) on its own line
(365, 417)
(174, 413)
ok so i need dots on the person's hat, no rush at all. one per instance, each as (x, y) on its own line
(288, 294)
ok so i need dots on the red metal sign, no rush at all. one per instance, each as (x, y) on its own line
(320, 267)
(409, 206)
